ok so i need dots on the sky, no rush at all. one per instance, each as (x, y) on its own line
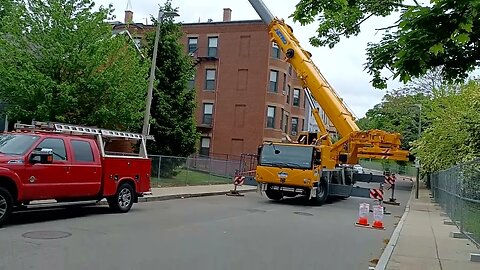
(342, 66)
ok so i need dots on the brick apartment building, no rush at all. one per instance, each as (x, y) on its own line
(246, 92)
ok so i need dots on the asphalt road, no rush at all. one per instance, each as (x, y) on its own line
(206, 233)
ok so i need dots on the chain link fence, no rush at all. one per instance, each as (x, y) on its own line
(457, 190)
(168, 171)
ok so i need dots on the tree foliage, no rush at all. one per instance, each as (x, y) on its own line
(399, 110)
(173, 104)
(442, 34)
(60, 62)
(454, 133)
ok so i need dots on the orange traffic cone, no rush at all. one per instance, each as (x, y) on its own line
(378, 217)
(363, 215)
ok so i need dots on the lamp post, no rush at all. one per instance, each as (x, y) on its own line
(146, 118)
(417, 161)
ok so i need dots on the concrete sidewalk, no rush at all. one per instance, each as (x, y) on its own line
(168, 193)
(424, 241)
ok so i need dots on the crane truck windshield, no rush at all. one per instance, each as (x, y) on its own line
(286, 156)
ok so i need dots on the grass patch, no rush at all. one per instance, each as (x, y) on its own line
(190, 178)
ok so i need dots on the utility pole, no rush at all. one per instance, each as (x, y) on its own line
(146, 118)
(417, 161)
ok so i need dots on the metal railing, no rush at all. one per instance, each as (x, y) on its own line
(457, 190)
(168, 171)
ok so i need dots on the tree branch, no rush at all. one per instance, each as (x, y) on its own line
(386, 28)
(360, 22)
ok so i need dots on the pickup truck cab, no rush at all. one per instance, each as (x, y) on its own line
(68, 164)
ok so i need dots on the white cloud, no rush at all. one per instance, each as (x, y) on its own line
(342, 66)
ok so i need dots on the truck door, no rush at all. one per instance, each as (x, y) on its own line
(46, 181)
(85, 168)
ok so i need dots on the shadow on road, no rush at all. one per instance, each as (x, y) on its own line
(58, 213)
(303, 201)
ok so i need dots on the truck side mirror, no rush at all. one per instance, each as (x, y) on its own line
(42, 156)
(259, 151)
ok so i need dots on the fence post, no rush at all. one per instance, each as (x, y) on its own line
(159, 167)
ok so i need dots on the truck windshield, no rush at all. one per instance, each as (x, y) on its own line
(16, 144)
(286, 156)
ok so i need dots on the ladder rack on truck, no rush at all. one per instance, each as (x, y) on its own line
(99, 133)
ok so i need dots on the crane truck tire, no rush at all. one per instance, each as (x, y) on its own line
(123, 200)
(275, 195)
(6, 204)
(321, 193)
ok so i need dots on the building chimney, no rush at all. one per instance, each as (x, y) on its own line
(227, 14)
(128, 13)
(128, 16)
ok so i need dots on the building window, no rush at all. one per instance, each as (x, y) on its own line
(290, 70)
(285, 126)
(191, 82)
(138, 42)
(192, 44)
(210, 79)
(270, 117)
(294, 126)
(207, 113)
(273, 81)
(296, 97)
(281, 118)
(205, 146)
(275, 51)
(288, 94)
(212, 46)
(303, 125)
(304, 100)
(284, 82)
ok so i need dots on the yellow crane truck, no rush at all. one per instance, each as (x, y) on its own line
(314, 166)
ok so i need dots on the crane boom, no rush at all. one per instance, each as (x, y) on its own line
(354, 143)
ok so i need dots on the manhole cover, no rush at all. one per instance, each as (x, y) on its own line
(46, 235)
(256, 210)
(303, 213)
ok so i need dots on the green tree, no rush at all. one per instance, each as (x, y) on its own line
(60, 62)
(454, 133)
(440, 34)
(398, 112)
(173, 105)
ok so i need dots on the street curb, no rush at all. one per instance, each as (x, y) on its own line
(181, 196)
(387, 252)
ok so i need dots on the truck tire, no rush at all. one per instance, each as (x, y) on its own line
(275, 195)
(322, 193)
(6, 204)
(123, 200)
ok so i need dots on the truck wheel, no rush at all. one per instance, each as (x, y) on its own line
(322, 193)
(275, 195)
(123, 200)
(6, 204)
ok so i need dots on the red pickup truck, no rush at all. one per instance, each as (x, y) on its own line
(68, 164)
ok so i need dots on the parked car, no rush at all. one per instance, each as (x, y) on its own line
(358, 168)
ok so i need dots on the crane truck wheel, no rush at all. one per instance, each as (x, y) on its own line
(322, 193)
(6, 204)
(275, 195)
